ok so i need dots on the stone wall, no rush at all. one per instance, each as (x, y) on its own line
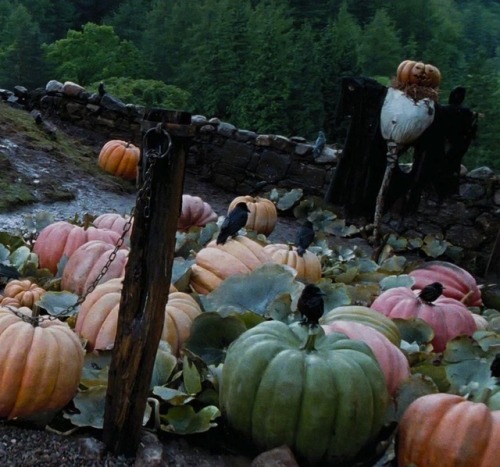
(244, 162)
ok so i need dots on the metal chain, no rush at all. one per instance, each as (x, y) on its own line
(152, 156)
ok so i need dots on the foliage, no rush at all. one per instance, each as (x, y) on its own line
(147, 92)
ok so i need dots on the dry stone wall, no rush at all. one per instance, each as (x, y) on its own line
(243, 162)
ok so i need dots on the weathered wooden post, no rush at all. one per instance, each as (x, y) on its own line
(147, 276)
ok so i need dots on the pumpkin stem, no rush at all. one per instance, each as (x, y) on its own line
(484, 395)
(311, 338)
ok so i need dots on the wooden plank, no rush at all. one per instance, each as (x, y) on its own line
(145, 286)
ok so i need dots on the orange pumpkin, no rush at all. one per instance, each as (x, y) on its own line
(40, 365)
(391, 359)
(87, 262)
(25, 292)
(214, 263)
(98, 316)
(62, 239)
(308, 266)
(120, 158)
(195, 212)
(263, 213)
(448, 430)
(414, 72)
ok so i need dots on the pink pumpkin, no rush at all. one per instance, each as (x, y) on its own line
(113, 221)
(448, 317)
(195, 213)
(391, 359)
(62, 239)
(87, 262)
(458, 283)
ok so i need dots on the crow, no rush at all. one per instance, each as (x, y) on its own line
(304, 238)
(495, 366)
(319, 145)
(234, 221)
(311, 305)
(430, 292)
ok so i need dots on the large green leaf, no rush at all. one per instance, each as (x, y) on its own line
(401, 280)
(211, 335)
(255, 292)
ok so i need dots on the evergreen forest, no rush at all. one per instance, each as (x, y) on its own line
(272, 66)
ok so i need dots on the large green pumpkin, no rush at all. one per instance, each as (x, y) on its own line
(324, 396)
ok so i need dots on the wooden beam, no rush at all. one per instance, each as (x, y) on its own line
(147, 280)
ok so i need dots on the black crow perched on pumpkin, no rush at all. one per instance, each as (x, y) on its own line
(431, 292)
(234, 221)
(311, 305)
(304, 238)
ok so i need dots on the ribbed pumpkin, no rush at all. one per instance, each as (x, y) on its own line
(40, 366)
(414, 72)
(391, 359)
(113, 221)
(25, 292)
(87, 262)
(448, 317)
(308, 266)
(98, 316)
(195, 213)
(366, 316)
(119, 158)
(263, 213)
(447, 430)
(62, 239)
(323, 396)
(214, 263)
(458, 283)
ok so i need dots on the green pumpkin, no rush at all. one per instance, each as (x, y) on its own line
(324, 396)
(367, 316)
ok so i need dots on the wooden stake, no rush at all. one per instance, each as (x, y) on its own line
(146, 283)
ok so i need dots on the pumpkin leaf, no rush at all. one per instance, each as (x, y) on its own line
(397, 243)
(335, 295)
(90, 405)
(468, 366)
(164, 366)
(183, 420)
(362, 294)
(191, 376)
(288, 200)
(402, 280)
(393, 264)
(59, 303)
(181, 272)
(410, 390)
(415, 330)
(211, 335)
(172, 396)
(434, 246)
(340, 229)
(257, 292)
(432, 366)
(22, 258)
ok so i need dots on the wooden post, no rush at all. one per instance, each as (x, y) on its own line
(147, 278)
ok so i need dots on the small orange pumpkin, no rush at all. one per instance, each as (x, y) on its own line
(40, 365)
(25, 292)
(119, 158)
(308, 266)
(415, 72)
(448, 430)
(263, 213)
(214, 263)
